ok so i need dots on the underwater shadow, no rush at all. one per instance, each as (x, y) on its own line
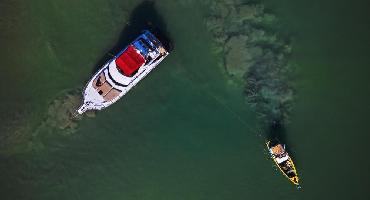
(277, 131)
(143, 17)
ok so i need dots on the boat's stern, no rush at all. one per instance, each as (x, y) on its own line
(150, 47)
(295, 180)
(293, 176)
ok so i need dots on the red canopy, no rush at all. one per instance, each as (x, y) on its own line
(130, 61)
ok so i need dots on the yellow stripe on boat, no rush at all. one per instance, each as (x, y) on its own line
(288, 163)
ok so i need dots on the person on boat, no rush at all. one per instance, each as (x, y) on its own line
(98, 82)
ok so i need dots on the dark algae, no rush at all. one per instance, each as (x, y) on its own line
(247, 37)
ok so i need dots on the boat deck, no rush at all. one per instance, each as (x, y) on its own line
(105, 89)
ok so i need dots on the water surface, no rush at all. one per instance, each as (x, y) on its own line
(185, 132)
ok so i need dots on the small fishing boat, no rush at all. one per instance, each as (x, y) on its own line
(123, 72)
(283, 161)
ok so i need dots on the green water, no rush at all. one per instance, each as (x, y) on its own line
(185, 132)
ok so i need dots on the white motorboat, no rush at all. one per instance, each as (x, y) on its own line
(120, 74)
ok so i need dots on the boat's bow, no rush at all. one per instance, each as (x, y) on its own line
(83, 108)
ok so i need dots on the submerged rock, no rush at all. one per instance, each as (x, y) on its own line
(57, 119)
(238, 56)
(249, 12)
(61, 112)
(246, 36)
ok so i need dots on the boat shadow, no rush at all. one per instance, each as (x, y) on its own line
(143, 17)
(278, 131)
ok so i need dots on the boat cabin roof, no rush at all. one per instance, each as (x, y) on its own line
(130, 61)
(278, 149)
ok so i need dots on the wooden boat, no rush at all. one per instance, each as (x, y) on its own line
(283, 161)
